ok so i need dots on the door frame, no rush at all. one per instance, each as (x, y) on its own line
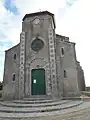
(44, 80)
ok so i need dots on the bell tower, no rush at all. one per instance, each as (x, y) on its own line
(39, 56)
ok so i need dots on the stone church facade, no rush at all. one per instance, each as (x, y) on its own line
(43, 63)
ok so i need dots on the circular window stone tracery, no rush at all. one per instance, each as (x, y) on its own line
(37, 44)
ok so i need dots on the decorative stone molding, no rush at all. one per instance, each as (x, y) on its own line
(39, 37)
(52, 62)
(31, 55)
(45, 65)
(21, 70)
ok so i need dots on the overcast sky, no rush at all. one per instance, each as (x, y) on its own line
(72, 20)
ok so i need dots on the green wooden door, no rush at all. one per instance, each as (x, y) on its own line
(38, 82)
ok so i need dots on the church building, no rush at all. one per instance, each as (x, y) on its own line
(43, 63)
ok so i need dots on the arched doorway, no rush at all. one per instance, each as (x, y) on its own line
(38, 86)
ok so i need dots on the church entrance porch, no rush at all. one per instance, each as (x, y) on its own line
(38, 86)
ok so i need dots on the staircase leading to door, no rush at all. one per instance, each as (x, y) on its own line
(32, 107)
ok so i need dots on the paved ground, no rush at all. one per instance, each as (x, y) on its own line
(79, 115)
(81, 112)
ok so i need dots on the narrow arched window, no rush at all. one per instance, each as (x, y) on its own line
(64, 73)
(13, 77)
(62, 51)
(15, 56)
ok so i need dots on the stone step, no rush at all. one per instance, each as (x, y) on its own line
(36, 115)
(71, 98)
(38, 97)
(40, 109)
(11, 104)
(33, 101)
(86, 93)
(85, 98)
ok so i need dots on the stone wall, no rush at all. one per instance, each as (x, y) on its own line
(68, 63)
(10, 87)
(34, 59)
(47, 54)
(81, 80)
